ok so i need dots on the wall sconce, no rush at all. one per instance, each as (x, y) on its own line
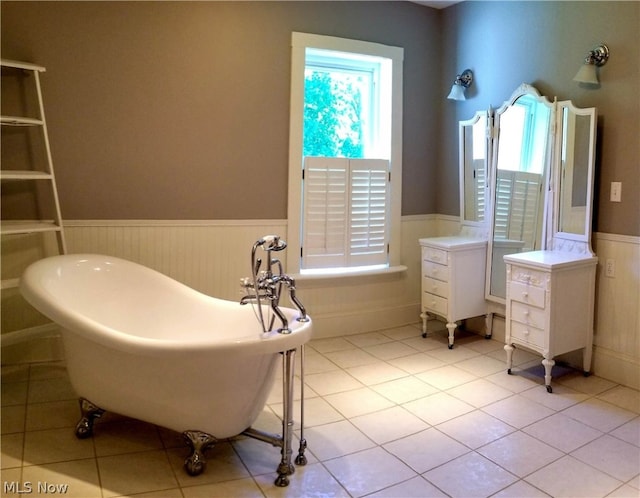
(596, 58)
(461, 83)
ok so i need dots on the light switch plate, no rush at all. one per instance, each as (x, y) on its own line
(616, 192)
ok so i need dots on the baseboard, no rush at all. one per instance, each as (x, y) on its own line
(359, 322)
(616, 367)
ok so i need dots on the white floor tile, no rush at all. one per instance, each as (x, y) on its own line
(336, 440)
(358, 402)
(562, 432)
(418, 487)
(629, 432)
(369, 471)
(624, 397)
(376, 373)
(518, 411)
(404, 389)
(438, 408)
(453, 477)
(475, 429)
(571, 478)
(388, 425)
(80, 478)
(446, 377)
(599, 414)
(426, 450)
(611, 455)
(520, 454)
(480, 393)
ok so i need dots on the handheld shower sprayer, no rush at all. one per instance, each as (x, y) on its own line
(267, 285)
(272, 243)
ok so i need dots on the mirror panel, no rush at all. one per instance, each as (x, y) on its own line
(473, 156)
(522, 153)
(576, 151)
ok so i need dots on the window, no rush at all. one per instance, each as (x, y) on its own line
(345, 162)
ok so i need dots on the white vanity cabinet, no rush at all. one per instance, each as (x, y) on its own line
(549, 305)
(453, 276)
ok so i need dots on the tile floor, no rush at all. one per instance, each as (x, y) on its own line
(388, 414)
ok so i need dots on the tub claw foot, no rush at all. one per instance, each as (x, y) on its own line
(199, 442)
(90, 412)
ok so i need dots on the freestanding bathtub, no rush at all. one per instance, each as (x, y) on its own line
(143, 345)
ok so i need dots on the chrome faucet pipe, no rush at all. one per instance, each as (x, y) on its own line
(269, 286)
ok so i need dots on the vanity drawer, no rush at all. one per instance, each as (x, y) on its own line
(527, 334)
(528, 315)
(528, 276)
(437, 287)
(435, 255)
(527, 294)
(434, 303)
(435, 270)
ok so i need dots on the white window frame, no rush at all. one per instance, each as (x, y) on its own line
(300, 43)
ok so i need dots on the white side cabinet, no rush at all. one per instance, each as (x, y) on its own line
(549, 306)
(453, 276)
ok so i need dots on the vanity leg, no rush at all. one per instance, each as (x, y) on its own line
(451, 327)
(488, 324)
(548, 365)
(586, 358)
(424, 317)
(509, 350)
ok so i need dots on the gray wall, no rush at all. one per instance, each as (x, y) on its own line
(180, 110)
(543, 43)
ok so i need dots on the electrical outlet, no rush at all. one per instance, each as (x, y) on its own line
(610, 268)
(616, 192)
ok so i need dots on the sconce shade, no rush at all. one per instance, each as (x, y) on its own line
(595, 58)
(587, 74)
(456, 93)
(462, 82)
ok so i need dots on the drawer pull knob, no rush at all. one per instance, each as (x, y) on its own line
(525, 295)
(526, 313)
(526, 332)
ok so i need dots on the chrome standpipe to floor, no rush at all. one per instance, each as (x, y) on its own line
(284, 442)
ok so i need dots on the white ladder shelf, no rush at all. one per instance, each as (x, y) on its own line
(34, 168)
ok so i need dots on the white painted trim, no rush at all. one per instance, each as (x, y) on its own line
(37, 332)
(617, 367)
(355, 273)
(614, 237)
(171, 223)
(299, 43)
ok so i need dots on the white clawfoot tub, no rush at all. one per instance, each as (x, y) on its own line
(143, 345)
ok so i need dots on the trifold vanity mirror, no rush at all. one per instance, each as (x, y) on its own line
(526, 191)
(542, 163)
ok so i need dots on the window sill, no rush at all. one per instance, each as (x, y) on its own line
(389, 270)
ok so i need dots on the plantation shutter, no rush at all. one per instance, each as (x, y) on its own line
(517, 205)
(345, 212)
(368, 224)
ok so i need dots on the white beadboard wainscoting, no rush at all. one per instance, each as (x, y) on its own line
(617, 321)
(212, 257)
